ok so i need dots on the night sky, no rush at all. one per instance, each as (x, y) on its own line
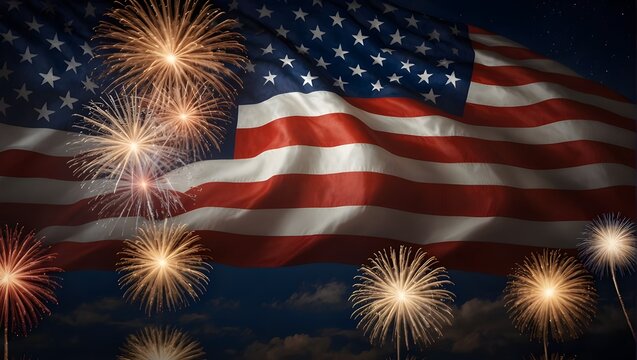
(302, 312)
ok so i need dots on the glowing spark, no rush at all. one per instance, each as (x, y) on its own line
(163, 43)
(163, 266)
(165, 344)
(552, 357)
(404, 293)
(124, 139)
(550, 295)
(609, 245)
(194, 120)
(26, 285)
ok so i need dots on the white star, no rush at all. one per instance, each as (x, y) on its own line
(234, 5)
(68, 26)
(49, 78)
(317, 33)
(317, 2)
(300, 14)
(430, 96)
(48, 7)
(87, 49)
(411, 21)
(455, 30)
(89, 10)
(281, 31)
(89, 85)
(287, 61)
(23, 92)
(28, 56)
(337, 20)
(68, 100)
(33, 25)
(396, 38)
(454, 51)
(264, 12)
(452, 79)
(3, 106)
(376, 86)
(407, 65)
(353, 6)
(13, 4)
(389, 8)
(307, 79)
(44, 112)
(395, 78)
(434, 35)
(339, 52)
(72, 65)
(268, 49)
(320, 62)
(250, 67)
(445, 63)
(387, 51)
(375, 24)
(424, 77)
(55, 43)
(422, 48)
(302, 49)
(357, 71)
(359, 38)
(378, 59)
(340, 83)
(5, 72)
(8, 37)
(269, 78)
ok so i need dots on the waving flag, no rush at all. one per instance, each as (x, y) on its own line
(361, 125)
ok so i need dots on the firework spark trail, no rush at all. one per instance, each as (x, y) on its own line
(550, 295)
(159, 343)
(25, 284)
(163, 267)
(158, 44)
(609, 245)
(402, 293)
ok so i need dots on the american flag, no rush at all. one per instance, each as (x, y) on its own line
(361, 125)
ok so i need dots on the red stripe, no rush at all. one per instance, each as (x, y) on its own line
(477, 30)
(515, 76)
(545, 112)
(509, 51)
(340, 129)
(261, 251)
(353, 189)
(28, 164)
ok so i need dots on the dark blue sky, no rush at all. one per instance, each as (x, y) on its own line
(301, 312)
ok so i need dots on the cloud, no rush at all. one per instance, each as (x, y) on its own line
(86, 314)
(331, 294)
(304, 346)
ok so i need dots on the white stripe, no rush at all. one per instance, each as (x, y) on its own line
(494, 40)
(490, 58)
(347, 220)
(40, 140)
(522, 95)
(339, 159)
(320, 103)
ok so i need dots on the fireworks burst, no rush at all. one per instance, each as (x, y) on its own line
(125, 138)
(25, 284)
(165, 344)
(609, 245)
(550, 295)
(554, 356)
(164, 43)
(402, 293)
(194, 120)
(163, 266)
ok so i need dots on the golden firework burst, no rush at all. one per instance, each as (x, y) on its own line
(161, 343)
(122, 137)
(193, 118)
(404, 295)
(609, 245)
(164, 266)
(550, 295)
(164, 43)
